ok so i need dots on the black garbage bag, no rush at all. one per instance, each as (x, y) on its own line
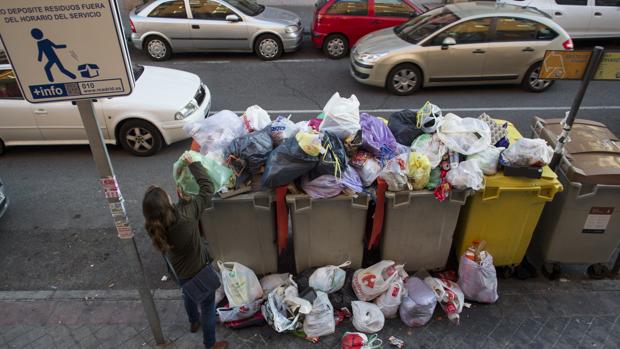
(286, 163)
(303, 280)
(247, 154)
(403, 126)
(334, 161)
(343, 297)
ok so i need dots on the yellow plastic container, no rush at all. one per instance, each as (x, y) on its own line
(505, 212)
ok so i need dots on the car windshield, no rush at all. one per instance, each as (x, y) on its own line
(137, 71)
(249, 7)
(417, 29)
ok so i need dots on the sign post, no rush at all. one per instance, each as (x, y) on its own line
(63, 50)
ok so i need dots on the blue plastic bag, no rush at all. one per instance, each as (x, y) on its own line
(377, 137)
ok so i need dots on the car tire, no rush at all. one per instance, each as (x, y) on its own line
(140, 138)
(336, 46)
(531, 81)
(268, 47)
(2, 147)
(404, 79)
(157, 48)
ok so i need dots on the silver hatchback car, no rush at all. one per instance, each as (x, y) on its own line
(165, 26)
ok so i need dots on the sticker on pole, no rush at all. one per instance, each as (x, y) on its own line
(61, 50)
(598, 220)
(571, 65)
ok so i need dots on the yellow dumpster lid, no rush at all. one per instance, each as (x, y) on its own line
(548, 178)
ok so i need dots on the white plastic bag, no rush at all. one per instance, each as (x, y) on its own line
(255, 118)
(419, 304)
(215, 133)
(342, 116)
(395, 173)
(367, 167)
(464, 135)
(367, 317)
(284, 310)
(449, 296)
(487, 160)
(371, 282)
(282, 128)
(240, 283)
(390, 300)
(431, 146)
(478, 280)
(240, 312)
(466, 175)
(272, 281)
(320, 321)
(329, 279)
(527, 152)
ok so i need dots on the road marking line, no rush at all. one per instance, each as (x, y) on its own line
(178, 62)
(303, 111)
(200, 62)
(299, 60)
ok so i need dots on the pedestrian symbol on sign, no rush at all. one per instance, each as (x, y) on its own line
(48, 48)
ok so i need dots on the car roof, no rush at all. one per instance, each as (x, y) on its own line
(478, 8)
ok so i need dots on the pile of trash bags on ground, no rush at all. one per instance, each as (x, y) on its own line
(343, 151)
(312, 304)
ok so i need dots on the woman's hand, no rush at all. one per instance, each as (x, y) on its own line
(187, 159)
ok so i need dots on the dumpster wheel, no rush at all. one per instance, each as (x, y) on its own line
(552, 271)
(506, 272)
(525, 270)
(598, 271)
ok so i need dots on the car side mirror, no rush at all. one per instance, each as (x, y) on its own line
(233, 18)
(447, 42)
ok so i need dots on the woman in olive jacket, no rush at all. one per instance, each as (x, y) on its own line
(174, 230)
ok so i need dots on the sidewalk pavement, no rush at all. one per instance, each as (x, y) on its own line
(529, 314)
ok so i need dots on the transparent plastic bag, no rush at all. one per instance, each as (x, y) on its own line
(477, 276)
(390, 300)
(418, 305)
(240, 283)
(284, 310)
(227, 314)
(329, 279)
(527, 152)
(215, 133)
(320, 321)
(272, 281)
(466, 136)
(431, 146)
(367, 167)
(367, 317)
(487, 160)
(255, 118)
(342, 116)
(395, 173)
(220, 175)
(449, 296)
(466, 175)
(283, 128)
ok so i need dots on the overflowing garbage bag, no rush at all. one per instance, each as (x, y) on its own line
(320, 321)
(216, 132)
(325, 186)
(286, 163)
(498, 131)
(353, 143)
(466, 175)
(431, 146)
(333, 160)
(246, 155)
(310, 142)
(367, 167)
(282, 128)
(367, 317)
(377, 137)
(477, 275)
(255, 118)
(284, 310)
(403, 125)
(466, 136)
(429, 117)
(418, 170)
(358, 340)
(351, 182)
(342, 116)
(240, 283)
(487, 160)
(527, 152)
(371, 282)
(418, 304)
(220, 175)
(329, 279)
(395, 173)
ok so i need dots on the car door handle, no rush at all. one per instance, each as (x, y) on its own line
(598, 14)
(195, 26)
(528, 49)
(40, 111)
(479, 51)
(558, 13)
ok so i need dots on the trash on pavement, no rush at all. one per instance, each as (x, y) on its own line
(236, 313)
(320, 321)
(329, 279)
(284, 310)
(449, 296)
(367, 317)
(390, 300)
(240, 283)
(477, 275)
(357, 340)
(371, 282)
(272, 281)
(398, 343)
(418, 304)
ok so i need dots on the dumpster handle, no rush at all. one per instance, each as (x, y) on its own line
(401, 198)
(360, 201)
(302, 203)
(262, 202)
(546, 194)
(461, 196)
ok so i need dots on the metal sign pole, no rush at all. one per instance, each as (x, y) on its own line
(115, 201)
(567, 125)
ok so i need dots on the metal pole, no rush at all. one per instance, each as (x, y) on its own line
(567, 124)
(104, 166)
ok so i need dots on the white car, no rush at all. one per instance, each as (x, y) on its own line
(580, 18)
(162, 101)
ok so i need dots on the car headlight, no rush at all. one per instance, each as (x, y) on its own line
(186, 111)
(291, 29)
(370, 58)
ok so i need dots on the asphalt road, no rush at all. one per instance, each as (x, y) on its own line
(58, 232)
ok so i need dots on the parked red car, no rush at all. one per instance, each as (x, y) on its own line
(338, 24)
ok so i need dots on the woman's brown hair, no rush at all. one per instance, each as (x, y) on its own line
(159, 216)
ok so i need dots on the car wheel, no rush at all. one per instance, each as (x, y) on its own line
(2, 147)
(404, 79)
(140, 138)
(336, 46)
(157, 48)
(268, 47)
(532, 83)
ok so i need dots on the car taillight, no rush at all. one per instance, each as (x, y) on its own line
(133, 28)
(568, 45)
